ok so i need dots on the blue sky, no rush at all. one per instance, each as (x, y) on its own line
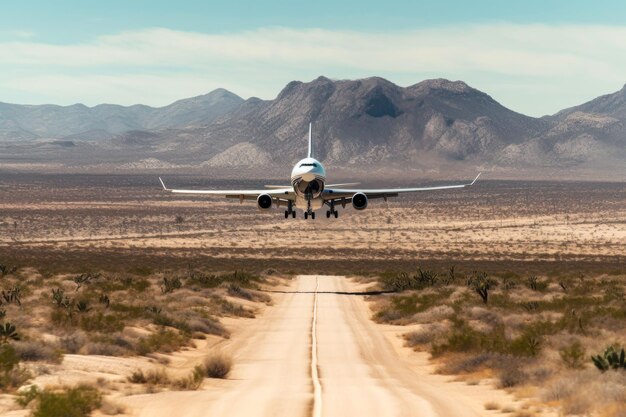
(535, 57)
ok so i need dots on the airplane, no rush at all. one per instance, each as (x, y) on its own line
(309, 192)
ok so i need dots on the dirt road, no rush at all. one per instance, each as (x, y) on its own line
(317, 353)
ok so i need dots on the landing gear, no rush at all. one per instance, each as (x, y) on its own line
(290, 211)
(309, 211)
(332, 212)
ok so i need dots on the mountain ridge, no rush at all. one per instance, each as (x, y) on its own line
(77, 120)
(364, 122)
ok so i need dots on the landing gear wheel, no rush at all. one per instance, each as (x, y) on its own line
(306, 215)
(286, 214)
(293, 214)
(328, 214)
(313, 216)
(336, 214)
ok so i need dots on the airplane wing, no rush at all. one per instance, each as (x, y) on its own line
(347, 193)
(279, 193)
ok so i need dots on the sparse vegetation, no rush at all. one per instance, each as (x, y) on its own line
(218, 366)
(573, 355)
(193, 381)
(162, 341)
(77, 401)
(522, 330)
(579, 260)
(170, 285)
(12, 375)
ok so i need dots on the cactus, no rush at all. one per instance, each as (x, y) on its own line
(508, 283)
(104, 299)
(154, 310)
(534, 344)
(84, 279)
(170, 284)
(59, 298)
(8, 332)
(481, 285)
(610, 359)
(82, 307)
(7, 270)
(426, 277)
(531, 305)
(12, 296)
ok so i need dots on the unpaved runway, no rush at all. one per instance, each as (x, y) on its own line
(316, 353)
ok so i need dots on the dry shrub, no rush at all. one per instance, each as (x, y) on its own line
(467, 364)
(434, 314)
(157, 377)
(207, 326)
(151, 377)
(218, 366)
(162, 341)
(588, 392)
(485, 316)
(137, 377)
(492, 405)
(235, 290)
(573, 355)
(510, 374)
(426, 334)
(191, 382)
(78, 401)
(12, 374)
(559, 389)
(32, 351)
(73, 343)
(102, 348)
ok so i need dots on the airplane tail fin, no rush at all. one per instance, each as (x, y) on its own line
(310, 142)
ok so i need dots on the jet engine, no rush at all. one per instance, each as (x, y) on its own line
(264, 201)
(359, 201)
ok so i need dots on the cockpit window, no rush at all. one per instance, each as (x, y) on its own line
(308, 165)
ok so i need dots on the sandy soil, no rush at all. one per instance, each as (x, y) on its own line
(362, 369)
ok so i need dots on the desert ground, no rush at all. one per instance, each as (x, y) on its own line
(494, 221)
(143, 303)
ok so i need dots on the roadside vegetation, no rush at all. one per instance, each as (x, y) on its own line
(142, 312)
(556, 339)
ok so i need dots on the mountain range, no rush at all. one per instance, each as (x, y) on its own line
(431, 126)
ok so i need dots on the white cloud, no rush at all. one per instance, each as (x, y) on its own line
(514, 63)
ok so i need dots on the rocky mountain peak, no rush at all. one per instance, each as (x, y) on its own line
(443, 84)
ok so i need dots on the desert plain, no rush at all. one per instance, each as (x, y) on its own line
(484, 301)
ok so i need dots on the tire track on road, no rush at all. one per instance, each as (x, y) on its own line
(317, 386)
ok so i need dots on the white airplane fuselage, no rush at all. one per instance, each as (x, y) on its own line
(307, 178)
